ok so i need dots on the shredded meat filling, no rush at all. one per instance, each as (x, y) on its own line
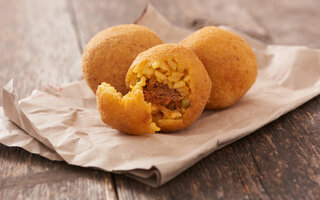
(160, 94)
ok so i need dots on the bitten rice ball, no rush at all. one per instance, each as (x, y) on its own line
(109, 54)
(229, 60)
(169, 90)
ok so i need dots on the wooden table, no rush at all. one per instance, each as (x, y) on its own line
(41, 42)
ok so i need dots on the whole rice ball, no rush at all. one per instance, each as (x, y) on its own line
(109, 54)
(229, 60)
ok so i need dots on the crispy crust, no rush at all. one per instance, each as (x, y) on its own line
(229, 60)
(109, 54)
(200, 83)
(130, 114)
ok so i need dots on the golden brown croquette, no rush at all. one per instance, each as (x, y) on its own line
(109, 54)
(229, 60)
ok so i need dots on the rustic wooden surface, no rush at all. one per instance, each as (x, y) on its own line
(41, 42)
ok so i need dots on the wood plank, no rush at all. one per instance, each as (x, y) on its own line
(38, 46)
(279, 161)
(281, 22)
(27, 176)
(197, 14)
(94, 16)
(288, 22)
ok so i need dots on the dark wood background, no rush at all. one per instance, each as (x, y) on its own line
(41, 42)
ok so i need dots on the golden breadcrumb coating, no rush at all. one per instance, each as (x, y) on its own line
(229, 60)
(109, 54)
(129, 114)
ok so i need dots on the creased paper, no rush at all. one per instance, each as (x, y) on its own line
(66, 121)
(13, 136)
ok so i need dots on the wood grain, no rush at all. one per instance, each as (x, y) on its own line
(38, 46)
(27, 176)
(288, 22)
(279, 161)
(42, 43)
(196, 14)
(281, 22)
(94, 16)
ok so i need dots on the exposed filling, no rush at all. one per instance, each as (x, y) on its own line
(160, 94)
(166, 86)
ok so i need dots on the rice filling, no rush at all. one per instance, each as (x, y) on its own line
(165, 85)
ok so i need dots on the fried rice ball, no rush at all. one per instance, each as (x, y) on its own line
(229, 60)
(169, 90)
(109, 54)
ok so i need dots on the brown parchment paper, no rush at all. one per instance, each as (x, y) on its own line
(11, 135)
(63, 123)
